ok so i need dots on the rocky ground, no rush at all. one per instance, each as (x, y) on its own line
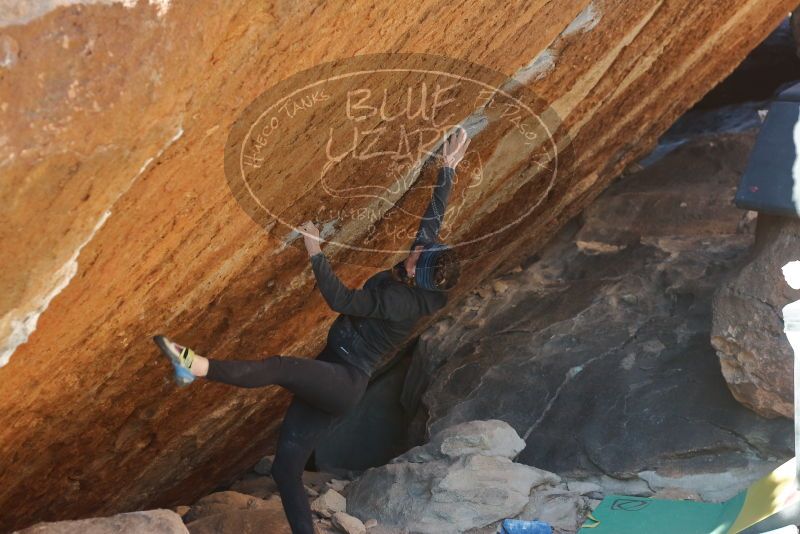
(462, 481)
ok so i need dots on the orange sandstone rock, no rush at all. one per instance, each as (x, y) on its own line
(117, 222)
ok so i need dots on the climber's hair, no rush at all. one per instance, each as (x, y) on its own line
(446, 270)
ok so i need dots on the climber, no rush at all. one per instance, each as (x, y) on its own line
(372, 322)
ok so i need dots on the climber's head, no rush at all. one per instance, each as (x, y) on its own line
(435, 266)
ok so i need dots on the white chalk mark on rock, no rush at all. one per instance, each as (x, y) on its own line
(9, 51)
(584, 22)
(541, 65)
(22, 328)
(15, 12)
(545, 61)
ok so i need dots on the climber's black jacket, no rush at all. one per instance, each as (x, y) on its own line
(379, 317)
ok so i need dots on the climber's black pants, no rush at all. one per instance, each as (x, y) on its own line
(324, 389)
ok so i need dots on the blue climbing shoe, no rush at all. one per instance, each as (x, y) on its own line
(180, 357)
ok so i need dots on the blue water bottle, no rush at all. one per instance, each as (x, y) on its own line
(518, 526)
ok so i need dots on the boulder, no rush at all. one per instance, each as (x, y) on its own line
(562, 509)
(261, 486)
(116, 119)
(747, 331)
(452, 485)
(329, 503)
(488, 438)
(150, 521)
(348, 524)
(254, 521)
(264, 465)
(223, 501)
(584, 488)
(325, 526)
(774, 62)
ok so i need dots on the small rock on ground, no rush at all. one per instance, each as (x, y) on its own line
(349, 524)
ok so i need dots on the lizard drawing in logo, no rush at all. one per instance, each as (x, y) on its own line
(402, 175)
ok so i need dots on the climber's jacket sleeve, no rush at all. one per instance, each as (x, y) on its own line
(432, 219)
(393, 302)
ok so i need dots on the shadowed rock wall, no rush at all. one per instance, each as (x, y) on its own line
(117, 222)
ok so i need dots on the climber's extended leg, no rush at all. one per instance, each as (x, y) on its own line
(304, 425)
(326, 382)
(302, 429)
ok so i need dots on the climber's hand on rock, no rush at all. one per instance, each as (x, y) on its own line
(454, 147)
(310, 237)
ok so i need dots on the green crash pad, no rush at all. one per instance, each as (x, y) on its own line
(621, 514)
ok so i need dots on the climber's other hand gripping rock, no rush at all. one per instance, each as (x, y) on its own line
(310, 237)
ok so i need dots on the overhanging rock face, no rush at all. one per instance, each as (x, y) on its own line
(118, 222)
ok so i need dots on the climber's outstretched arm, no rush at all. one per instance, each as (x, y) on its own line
(394, 303)
(452, 152)
(431, 221)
